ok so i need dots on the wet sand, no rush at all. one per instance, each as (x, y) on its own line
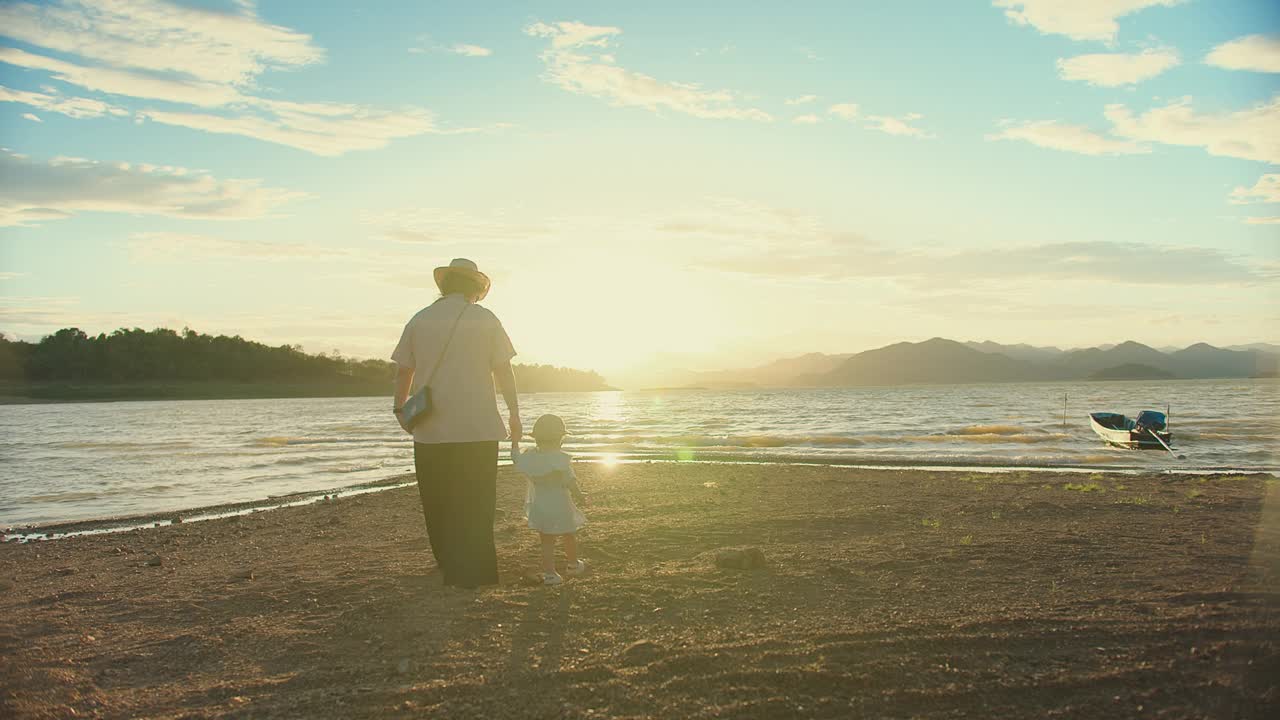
(884, 594)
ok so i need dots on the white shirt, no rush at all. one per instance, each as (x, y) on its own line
(464, 404)
(552, 467)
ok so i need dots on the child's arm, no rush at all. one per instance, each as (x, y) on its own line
(576, 491)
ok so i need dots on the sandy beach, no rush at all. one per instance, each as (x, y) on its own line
(883, 594)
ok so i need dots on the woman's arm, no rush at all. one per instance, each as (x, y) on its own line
(505, 378)
(404, 381)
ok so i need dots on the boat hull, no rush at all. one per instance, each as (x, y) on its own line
(1120, 431)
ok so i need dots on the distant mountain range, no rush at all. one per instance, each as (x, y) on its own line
(945, 361)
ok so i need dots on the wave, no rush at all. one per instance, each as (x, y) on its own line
(284, 441)
(989, 430)
(100, 445)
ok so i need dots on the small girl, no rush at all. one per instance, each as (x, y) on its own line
(549, 500)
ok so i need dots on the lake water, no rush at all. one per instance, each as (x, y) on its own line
(97, 460)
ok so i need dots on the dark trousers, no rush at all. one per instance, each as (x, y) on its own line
(458, 485)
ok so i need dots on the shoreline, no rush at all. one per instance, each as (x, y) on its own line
(883, 593)
(61, 529)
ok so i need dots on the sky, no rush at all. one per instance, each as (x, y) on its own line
(646, 183)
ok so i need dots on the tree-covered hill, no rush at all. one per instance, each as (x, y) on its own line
(164, 363)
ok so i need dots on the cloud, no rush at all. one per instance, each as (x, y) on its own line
(1247, 134)
(32, 192)
(844, 111)
(1266, 190)
(126, 83)
(884, 123)
(1117, 69)
(206, 60)
(807, 119)
(1077, 19)
(470, 50)
(325, 129)
(897, 126)
(167, 246)
(769, 244)
(801, 100)
(570, 34)
(576, 62)
(445, 227)
(1260, 53)
(31, 117)
(71, 107)
(216, 47)
(1069, 138)
(1262, 220)
(425, 45)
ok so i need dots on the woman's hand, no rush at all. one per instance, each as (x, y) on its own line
(517, 430)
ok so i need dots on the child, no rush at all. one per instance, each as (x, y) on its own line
(548, 502)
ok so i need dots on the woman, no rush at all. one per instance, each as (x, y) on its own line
(458, 349)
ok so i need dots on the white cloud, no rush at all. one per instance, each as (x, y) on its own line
(747, 239)
(31, 117)
(576, 62)
(801, 100)
(321, 128)
(1116, 69)
(126, 83)
(32, 192)
(844, 111)
(75, 107)
(217, 47)
(1077, 19)
(209, 60)
(883, 123)
(168, 246)
(470, 50)
(440, 226)
(898, 126)
(1260, 53)
(1262, 220)
(1070, 138)
(1266, 190)
(807, 119)
(569, 34)
(1246, 134)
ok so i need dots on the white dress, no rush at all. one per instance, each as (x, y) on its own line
(548, 504)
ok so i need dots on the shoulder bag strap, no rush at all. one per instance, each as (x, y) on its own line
(446, 345)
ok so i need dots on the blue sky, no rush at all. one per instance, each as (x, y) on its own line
(661, 180)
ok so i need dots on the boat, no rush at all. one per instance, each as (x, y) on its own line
(1149, 431)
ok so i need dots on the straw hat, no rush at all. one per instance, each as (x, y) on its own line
(466, 267)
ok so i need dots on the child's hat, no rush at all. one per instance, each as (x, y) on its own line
(549, 426)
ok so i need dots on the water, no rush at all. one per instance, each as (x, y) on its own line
(81, 461)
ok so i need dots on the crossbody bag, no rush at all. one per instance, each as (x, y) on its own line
(419, 405)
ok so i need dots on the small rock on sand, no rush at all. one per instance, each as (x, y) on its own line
(243, 574)
(641, 652)
(404, 666)
(740, 558)
(154, 561)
